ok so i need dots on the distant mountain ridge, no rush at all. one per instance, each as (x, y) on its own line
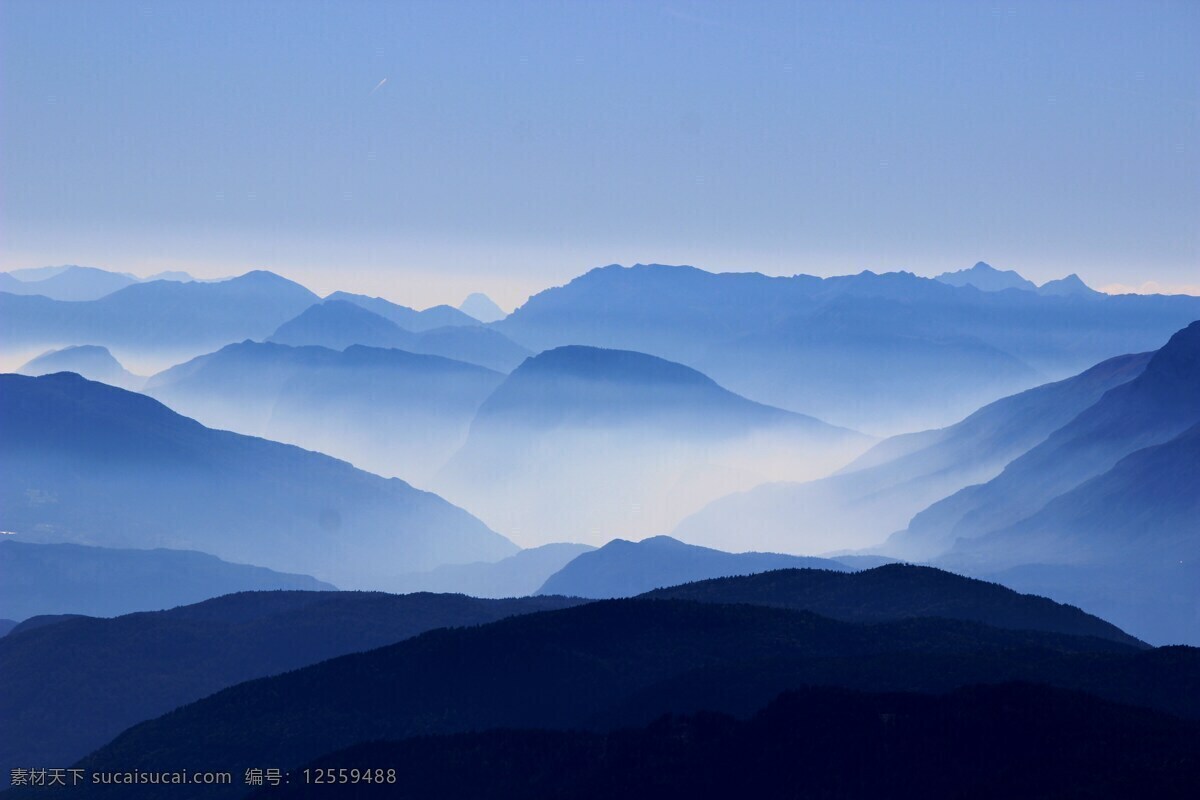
(157, 317)
(482, 308)
(338, 324)
(866, 350)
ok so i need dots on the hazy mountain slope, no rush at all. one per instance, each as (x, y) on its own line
(1162, 402)
(516, 576)
(158, 317)
(338, 324)
(88, 463)
(581, 442)
(987, 278)
(474, 344)
(1015, 740)
(898, 591)
(91, 361)
(815, 345)
(103, 582)
(72, 283)
(54, 709)
(7, 625)
(621, 661)
(624, 569)
(393, 412)
(236, 387)
(409, 318)
(881, 490)
(389, 411)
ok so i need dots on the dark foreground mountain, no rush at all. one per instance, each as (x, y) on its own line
(898, 591)
(881, 490)
(1002, 742)
(88, 463)
(389, 411)
(71, 686)
(624, 569)
(516, 576)
(103, 582)
(581, 442)
(614, 663)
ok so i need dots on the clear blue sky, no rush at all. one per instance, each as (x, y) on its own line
(514, 145)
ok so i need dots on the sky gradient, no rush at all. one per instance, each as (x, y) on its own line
(425, 150)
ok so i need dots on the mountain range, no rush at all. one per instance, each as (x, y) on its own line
(163, 319)
(616, 663)
(881, 353)
(70, 282)
(339, 323)
(92, 464)
(987, 278)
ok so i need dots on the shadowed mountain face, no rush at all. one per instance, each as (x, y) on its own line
(516, 576)
(862, 350)
(615, 663)
(69, 283)
(1013, 740)
(1124, 543)
(880, 491)
(91, 464)
(390, 411)
(338, 324)
(74, 579)
(898, 591)
(579, 442)
(159, 318)
(1153, 408)
(408, 318)
(122, 671)
(625, 569)
(91, 361)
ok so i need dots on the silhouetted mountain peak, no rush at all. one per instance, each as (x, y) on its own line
(985, 277)
(481, 307)
(1071, 285)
